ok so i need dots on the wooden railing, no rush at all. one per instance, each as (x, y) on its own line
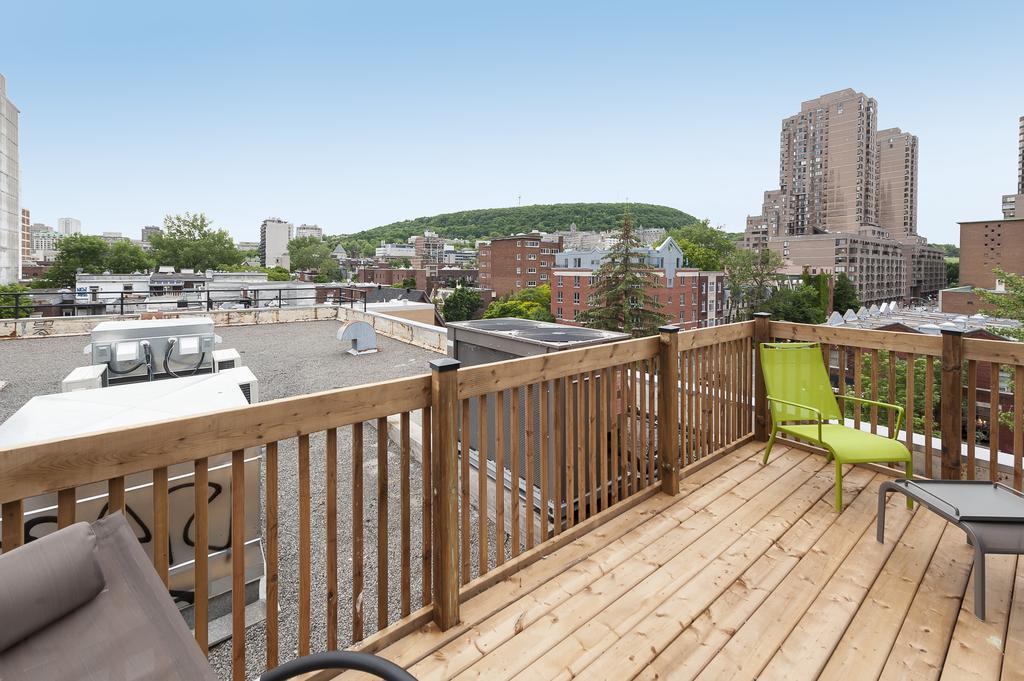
(516, 457)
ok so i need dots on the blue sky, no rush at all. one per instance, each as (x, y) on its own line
(352, 115)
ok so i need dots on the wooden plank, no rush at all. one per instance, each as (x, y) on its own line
(497, 376)
(920, 648)
(908, 416)
(499, 478)
(201, 604)
(357, 532)
(580, 445)
(860, 338)
(530, 513)
(161, 544)
(1003, 352)
(874, 617)
(515, 445)
(72, 462)
(444, 399)
(841, 356)
(592, 457)
(977, 649)
(270, 513)
(13, 513)
(652, 409)
(66, 500)
(626, 636)
(684, 657)
(425, 536)
(618, 451)
(972, 419)
(631, 469)
(1018, 427)
(994, 398)
(382, 522)
(950, 403)
(891, 397)
(405, 492)
(603, 411)
(858, 385)
(545, 459)
(482, 443)
(1013, 650)
(305, 546)
(641, 423)
(115, 494)
(559, 460)
(238, 565)
(753, 644)
(698, 338)
(463, 454)
(873, 410)
(570, 452)
(675, 556)
(331, 481)
(929, 411)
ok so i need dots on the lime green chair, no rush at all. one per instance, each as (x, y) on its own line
(802, 404)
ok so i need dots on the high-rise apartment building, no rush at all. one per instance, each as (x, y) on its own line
(69, 226)
(512, 263)
(897, 183)
(427, 248)
(1013, 204)
(10, 190)
(26, 234)
(148, 231)
(274, 237)
(314, 231)
(847, 200)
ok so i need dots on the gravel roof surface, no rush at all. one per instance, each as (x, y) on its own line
(289, 359)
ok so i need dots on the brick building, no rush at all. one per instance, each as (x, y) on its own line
(984, 246)
(427, 278)
(688, 297)
(512, 263)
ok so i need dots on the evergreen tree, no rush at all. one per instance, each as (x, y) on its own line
(621, 301)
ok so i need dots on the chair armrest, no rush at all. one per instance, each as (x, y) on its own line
(341, 659)
(800, 406)
(898, 408)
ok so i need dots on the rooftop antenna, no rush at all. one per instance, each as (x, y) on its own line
(519, 200)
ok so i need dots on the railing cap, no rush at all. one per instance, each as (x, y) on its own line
(668, 329)
(762, 314)
(446, 364)
(953, 332)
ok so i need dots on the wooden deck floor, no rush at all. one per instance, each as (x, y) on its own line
(749, 573)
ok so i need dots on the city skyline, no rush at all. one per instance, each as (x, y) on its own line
(353, 117)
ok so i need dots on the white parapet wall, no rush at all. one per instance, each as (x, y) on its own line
(415, 333)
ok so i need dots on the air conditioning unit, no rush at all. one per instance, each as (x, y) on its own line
(85, 378)
(137, 350)
(226, 359)
(247, 382)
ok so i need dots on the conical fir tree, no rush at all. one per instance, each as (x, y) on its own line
(620, 301)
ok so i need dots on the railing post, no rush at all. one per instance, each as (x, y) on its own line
(122, 303)
(762, 334)
(668, 409)
(444, 493)
(950, 403)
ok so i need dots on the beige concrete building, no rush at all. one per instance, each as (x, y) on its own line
(897, 183)
(274, 237)
(26, 234)
(10, 190)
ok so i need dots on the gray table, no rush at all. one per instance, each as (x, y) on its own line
(992, 516)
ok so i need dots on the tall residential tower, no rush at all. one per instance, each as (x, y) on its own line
(897, 183)
(10, 190)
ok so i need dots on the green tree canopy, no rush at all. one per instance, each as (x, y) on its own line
(190, 241)
(530, 303)
(460, 305)
(751, 276)
(801, 304)
(309, 253)
(622, 301)
(844, 297)
(8, 297)
(76, 252)
(1009, 304)
(706, 247)
(124, 257)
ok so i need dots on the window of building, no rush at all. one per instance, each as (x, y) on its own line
(531, 256)
(531, 284)
(575, 297)
(575, 282)
(531, 270)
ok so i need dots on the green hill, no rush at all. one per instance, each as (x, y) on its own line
(490, 222)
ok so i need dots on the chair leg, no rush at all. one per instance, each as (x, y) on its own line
(768, 447)
(979, 583)
(910, 475)
(839, 487)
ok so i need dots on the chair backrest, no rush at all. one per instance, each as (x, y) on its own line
(85, 603)
(795, 372)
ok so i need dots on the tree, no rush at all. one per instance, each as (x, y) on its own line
(751, 277)
(844, 297)
(76, 252)
(125, 257)
(277, 274)
(408, 282)
(190, 241)
(621, 299)
(309, 253)
(530, 303)
(952, 272)
(706, 247)
(1009, 304)
(460, 305)
(800, 304)
(9, 295)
